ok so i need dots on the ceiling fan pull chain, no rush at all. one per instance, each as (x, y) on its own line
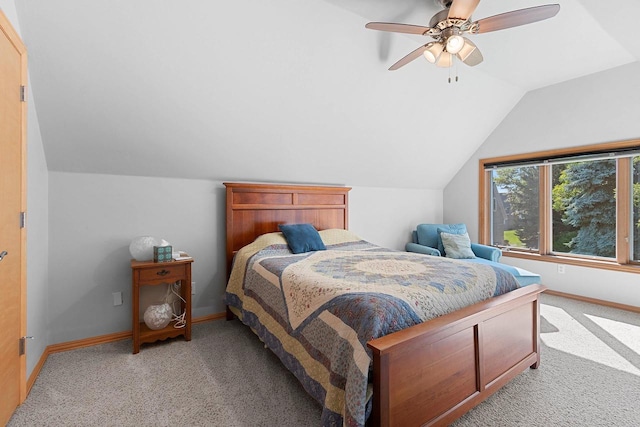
(453, 60)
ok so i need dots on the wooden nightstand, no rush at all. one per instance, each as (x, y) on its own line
(146, 273)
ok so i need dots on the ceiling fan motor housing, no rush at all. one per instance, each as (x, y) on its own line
(438, 18)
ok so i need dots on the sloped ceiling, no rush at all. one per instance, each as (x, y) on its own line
(289, 91)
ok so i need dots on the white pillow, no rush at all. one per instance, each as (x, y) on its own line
(457, 246)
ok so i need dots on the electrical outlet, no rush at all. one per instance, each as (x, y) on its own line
(193, 288)
(560, 268)
(117, 298)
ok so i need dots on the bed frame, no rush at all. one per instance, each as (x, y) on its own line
(428, 374)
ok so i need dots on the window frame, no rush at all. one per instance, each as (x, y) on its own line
(624, 217)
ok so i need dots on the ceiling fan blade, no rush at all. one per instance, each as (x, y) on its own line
(408, 58)
(462, 9)
(398, 28)
(470, 54)
(516, 18)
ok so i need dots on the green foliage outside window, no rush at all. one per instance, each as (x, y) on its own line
(521, 186)
(583, 201)
(584, 196)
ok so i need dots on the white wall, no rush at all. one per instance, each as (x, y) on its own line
(93, 219)
(37, 240)
(602, 107)
(37, 223)
(387, 216)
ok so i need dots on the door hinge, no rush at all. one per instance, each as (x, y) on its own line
(23, 219)
(23, 93)
(23, 344)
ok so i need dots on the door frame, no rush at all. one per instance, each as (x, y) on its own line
(16, 41)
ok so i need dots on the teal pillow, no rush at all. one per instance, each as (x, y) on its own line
(302, 238)
(457, 246)
(451, 229)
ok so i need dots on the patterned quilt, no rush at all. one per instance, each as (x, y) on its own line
(317, 310)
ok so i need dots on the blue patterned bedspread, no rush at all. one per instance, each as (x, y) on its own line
(318, 310)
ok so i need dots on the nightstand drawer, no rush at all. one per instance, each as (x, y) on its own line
(162, 274)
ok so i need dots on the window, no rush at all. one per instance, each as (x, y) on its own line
(515, 222)
(584, 208)
(577, 206)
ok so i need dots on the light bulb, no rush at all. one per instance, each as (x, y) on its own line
(433, 51)
(454, 44)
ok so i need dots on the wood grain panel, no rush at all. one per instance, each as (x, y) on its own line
(321, 199)
(245, 198)
(507, 340)
(13, 201)
(443, 372)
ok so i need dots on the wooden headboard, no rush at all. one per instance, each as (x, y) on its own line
(255, 209)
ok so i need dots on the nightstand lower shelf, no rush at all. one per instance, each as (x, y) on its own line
(148, 335)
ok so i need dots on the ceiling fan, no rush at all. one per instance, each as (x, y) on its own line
(448, 26)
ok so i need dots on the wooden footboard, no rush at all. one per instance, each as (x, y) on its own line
(434, 372)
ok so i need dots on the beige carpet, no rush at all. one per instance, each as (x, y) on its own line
(589, 376)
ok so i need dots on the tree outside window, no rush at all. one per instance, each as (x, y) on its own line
(584, 200)
(516, 193)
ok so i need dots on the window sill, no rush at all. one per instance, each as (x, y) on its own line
(558, 259)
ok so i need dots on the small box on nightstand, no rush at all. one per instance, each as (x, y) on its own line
(162, 254)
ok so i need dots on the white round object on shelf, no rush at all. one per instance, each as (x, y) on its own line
(158, 316)
(141, 248)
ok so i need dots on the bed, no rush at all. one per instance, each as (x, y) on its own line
(415, 372)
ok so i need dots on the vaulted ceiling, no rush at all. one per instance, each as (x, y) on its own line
(290, 91)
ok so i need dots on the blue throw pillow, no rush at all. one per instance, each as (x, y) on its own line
(457, 246)
(302, 238)
(451, 229)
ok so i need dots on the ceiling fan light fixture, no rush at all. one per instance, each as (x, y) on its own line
(455, 43)
(466, 50)
(433, 51)
(445, 60)
(448, 25)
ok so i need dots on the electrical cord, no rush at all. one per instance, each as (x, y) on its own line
(179, 320)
